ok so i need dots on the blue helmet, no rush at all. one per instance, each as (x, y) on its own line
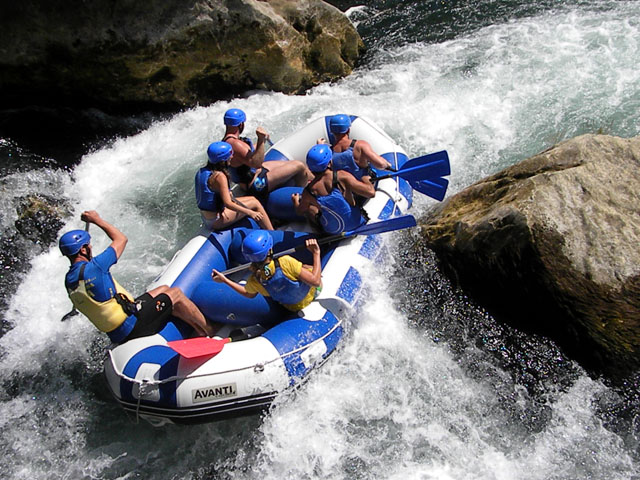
(318, 157)
(219, 152)
(339, 123)
(256, 245)
(234, 117)
(71, 242)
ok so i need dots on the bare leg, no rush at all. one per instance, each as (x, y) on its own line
(254, 204)
(281, 171)
(185, 309)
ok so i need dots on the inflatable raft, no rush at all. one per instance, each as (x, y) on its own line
(271, 349)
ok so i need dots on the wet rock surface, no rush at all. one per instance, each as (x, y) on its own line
(550, 246)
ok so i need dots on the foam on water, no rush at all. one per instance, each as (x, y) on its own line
(390, 403)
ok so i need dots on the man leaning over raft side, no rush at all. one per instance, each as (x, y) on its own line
(96, 294)
(328, 201)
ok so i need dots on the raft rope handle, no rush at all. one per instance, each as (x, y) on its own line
(179, 378)
(141, 392)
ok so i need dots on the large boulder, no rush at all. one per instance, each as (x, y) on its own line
(124, 54)
(551, 245)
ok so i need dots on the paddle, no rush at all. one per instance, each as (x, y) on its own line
(396, 223)
(198, 347)
(435, 188)
(73, 311)
(424, 167)
(424, 174)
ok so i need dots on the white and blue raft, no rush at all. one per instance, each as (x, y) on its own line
(262, 348)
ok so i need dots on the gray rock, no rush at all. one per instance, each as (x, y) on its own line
(551, 246)
(116, 54)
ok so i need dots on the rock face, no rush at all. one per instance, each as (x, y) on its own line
(552, 245)
(124, 54)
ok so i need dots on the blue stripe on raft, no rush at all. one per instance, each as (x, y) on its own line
(370, 246)
(159, 355)
(175, 330)
(388, 211)
(350, 286)
(274, 154)
(298, 333)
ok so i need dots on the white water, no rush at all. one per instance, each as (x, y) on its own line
(389, 404)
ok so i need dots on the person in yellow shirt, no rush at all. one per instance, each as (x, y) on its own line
(284, 279)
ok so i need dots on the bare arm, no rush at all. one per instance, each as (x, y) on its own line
(363, 154)
(118, 239)
(221, 278)
(362, 187)
(313, 277)
(242, 154)
(302, 203)
(218, 183)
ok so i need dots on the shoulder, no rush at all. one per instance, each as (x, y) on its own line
(345, 176)
(290, 266)
(73, 274)
(105, 260)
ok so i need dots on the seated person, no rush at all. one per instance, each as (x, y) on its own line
(217, 205)
(354, 156)
(328, 201)
(96, 294)
(247, 168)
(284, 279)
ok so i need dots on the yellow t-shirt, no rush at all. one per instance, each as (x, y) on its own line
(291, 269)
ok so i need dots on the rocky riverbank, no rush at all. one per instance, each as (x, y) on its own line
(63, 62)
(551, 246)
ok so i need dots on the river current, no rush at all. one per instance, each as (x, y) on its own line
(426, 385)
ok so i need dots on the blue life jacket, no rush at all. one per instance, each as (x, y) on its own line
(284, 290)
(207, 199)
(345, 161)
(337, 215)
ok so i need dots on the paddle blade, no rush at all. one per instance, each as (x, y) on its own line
(435, 188)
(433, 165)
(424, 172)
(439, 161)
(198, 347)
(396, 223)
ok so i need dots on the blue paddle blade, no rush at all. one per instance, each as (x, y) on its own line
(435, 188)
(433, 165)
(396, 223)
(441, 159)
(436, 169)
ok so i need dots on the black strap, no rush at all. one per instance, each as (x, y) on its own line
(127, 305)
(81, 273)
